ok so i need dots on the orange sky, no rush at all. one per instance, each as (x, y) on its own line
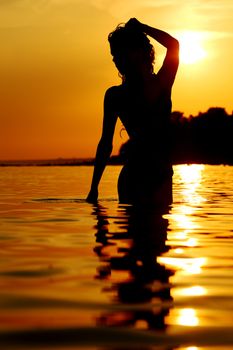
(55, 66)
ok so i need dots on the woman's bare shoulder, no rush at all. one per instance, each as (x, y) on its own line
(114, 91)
(113, 95)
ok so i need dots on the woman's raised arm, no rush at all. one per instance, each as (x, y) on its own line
(170, 65)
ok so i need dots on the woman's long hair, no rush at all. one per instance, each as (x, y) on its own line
(123, 40)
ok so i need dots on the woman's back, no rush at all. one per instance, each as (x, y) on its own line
(144, 111)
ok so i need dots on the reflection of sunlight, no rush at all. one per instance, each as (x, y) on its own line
(186, 242)
(191, 242)
(191, 291)
(178, 251)
(189, 265)
(187, 317)
(191, 176)
(191, 173)
(194, 291)
(184, 220)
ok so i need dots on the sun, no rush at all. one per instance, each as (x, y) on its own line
(191, 47)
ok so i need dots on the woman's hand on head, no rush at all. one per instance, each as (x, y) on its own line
(134, 24)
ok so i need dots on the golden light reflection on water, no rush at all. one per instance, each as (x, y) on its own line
(187, 265)
(183, 217)
(67, 264)
(190, 173)
(187, 317)
(191, 291)
(183, 238)
(190, 179)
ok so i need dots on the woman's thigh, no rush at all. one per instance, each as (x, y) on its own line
(145, 187)
(124, 187)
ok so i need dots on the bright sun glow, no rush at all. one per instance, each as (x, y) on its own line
(191, 50)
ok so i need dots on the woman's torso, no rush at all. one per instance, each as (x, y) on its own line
(144, 110)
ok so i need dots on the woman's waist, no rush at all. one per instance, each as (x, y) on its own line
(159, 150)
(149, 170)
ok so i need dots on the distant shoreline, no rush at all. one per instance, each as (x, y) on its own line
(46, 162)
(114, 160)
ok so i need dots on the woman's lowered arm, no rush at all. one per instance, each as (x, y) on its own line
(104, 147)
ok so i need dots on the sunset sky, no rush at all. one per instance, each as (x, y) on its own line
(55, 66)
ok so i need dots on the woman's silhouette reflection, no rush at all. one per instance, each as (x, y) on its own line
(139, 238)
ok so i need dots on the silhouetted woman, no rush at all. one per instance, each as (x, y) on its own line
(143, 104)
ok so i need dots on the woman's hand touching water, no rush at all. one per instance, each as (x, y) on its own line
(92, 196)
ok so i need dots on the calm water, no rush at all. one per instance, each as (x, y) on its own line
(74, 275)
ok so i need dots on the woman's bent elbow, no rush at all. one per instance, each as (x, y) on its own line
(176, 44)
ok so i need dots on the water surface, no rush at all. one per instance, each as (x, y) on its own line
(75, 275)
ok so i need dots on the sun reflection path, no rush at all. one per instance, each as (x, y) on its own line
(190, 177)
(187, 265)
(184, 220)
(184, 240)
(187, 317)
(187, 203)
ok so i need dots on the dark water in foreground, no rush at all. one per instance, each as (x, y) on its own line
(74, 275)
